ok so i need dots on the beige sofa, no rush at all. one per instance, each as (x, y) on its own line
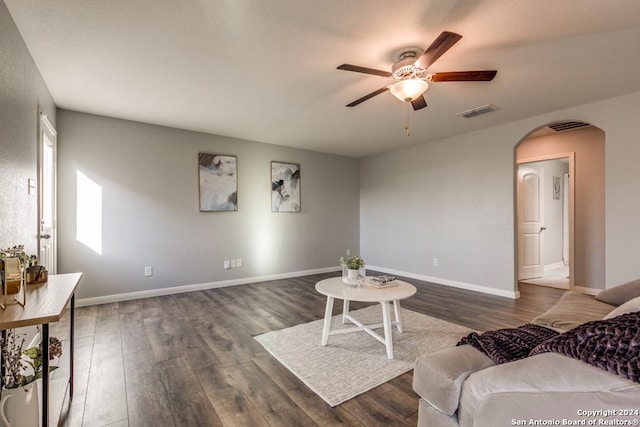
(461, 386)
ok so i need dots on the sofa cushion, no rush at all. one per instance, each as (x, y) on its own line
(438, 376)
(620, 294)
(547, 386)
(571, 310)
(627, 307)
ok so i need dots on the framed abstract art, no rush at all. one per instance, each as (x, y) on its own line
(285, 187)
(218, 176)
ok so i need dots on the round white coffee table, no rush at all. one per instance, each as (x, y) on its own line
(335, 288)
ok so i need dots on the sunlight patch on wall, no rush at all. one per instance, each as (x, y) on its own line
(89, 213)
(265, 246)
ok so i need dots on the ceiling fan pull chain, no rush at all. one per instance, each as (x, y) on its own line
(406, 124)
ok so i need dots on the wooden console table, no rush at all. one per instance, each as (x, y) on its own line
(46, 303)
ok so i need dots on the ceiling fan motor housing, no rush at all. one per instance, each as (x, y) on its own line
(405, 67)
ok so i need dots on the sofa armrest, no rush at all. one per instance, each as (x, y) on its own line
(438, 376)
(545, 386)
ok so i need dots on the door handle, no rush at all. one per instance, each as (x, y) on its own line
(542, 229)
(45, 236)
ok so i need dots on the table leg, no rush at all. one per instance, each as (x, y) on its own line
(327, 321)
(345, 310)
(71, 339)
(396, 309)
(388, 333)
(2, 365)
(45, 375)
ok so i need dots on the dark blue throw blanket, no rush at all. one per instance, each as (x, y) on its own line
(612, 345)
(507, 345)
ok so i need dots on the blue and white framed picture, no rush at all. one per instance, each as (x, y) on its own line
(285, 187)
(218, 182)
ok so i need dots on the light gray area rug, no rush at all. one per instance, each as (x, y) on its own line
(353, 363)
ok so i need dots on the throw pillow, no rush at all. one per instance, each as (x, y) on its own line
(620, 294)
(627, 307)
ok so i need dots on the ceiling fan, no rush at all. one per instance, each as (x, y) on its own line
(410, 74)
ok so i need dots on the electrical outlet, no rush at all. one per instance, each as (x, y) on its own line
(148, 271)
(435, 262)
(239, 262)
(348, 252)
(227, 263)
(233, 263)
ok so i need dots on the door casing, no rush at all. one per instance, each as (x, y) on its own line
(571, 157)
(47, 177)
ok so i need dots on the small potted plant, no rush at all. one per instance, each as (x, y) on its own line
(353, 265)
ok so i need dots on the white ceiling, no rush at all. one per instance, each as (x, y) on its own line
(265, 70)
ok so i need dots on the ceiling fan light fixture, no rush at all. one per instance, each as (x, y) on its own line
(409, 89)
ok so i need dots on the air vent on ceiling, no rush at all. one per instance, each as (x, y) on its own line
(562, 126)
(484, 109)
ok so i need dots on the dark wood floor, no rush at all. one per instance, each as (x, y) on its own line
(191, 360)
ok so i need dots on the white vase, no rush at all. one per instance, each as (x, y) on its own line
(353, 274)
(20, 407)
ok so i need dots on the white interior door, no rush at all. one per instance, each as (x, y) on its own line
(530, 256)
(47, 196)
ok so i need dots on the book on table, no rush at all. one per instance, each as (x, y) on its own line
(382, 281)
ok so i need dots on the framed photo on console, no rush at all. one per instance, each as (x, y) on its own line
(285, 187)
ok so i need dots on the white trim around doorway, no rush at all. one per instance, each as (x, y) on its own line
(571, 156)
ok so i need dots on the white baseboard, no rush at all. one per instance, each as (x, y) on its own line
(554, 265)
(197, 287)
(588, 291)
(447, 282)
(83, 302)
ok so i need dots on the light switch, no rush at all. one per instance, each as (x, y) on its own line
(31, 186)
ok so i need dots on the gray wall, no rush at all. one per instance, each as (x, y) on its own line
(149, 180)
(23, 95)
(441, 200)
(589, 147)
(553, 211)
(454, 199)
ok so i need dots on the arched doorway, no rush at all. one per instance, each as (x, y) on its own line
(573, 241)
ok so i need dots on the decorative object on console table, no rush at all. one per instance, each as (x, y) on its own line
(285, 187)
(218, 182)
(37, 274)
(13, 263)
(353, 270)
(21, 402)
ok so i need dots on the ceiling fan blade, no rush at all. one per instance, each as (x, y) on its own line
(369, 96)
(419, 103)
(464, 76)
(443, 43)
(365, 70)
